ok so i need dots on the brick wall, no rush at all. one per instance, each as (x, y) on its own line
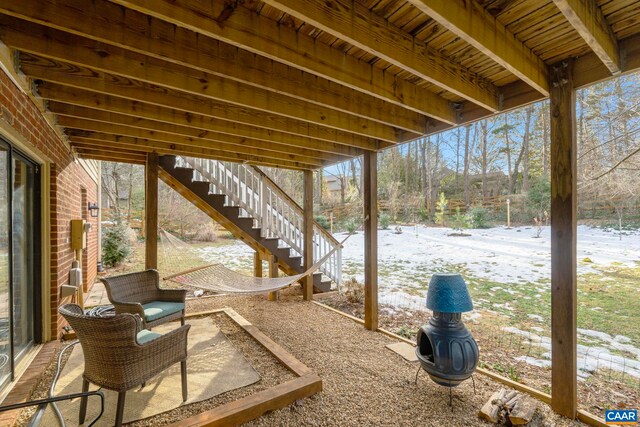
(68, 180)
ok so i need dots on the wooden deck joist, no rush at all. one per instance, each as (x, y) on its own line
(588, 20)
(193, 51)
(105, 121)
(91, 80)
(85, 104)
(65, 51)
(115, 143)
(207, 142)
(476, 26)
(354, 23)
(247, 30)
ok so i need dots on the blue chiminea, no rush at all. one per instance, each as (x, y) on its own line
(445, 347)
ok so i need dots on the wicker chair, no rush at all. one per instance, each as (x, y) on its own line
(139, 293)
(119, 355)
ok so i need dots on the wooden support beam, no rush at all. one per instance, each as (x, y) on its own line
(74, 102)
(474, 24)
(370, 178)
(563, 242)
(111, 142)
(66, 48)
(257, 264)
(589, 21)
(307, 287)
(91, 80)
(205, 144)
(273, 272)
(248, 30)
(355, 23)
(151, 211)
(111, 28)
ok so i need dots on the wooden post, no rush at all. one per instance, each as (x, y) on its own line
(257, 264)
(508, 213)
(273, 272)
(307, 287)
(151, 211)
(370, 175)
(563, 241)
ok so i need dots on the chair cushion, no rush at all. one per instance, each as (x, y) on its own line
(158, 309)
(145, 335)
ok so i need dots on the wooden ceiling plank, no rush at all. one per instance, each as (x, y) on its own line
(84, 78)
(359, 26)
(72, 49)
(136, 110)
(105, 142)
(162, 40)
(476, 26)
(248, 30)
(589, 21)
(179, 140)
(105, 116)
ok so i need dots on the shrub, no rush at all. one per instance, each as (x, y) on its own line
(385, 221)
(424, 214)
(441, 208)
(354, 291)
(206, 232)
(351, 226)
(539, 197)
(459, 221)
(323, 221)
(115, 245)
(479, 217)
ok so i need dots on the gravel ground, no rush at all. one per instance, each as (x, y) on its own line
(364, 384)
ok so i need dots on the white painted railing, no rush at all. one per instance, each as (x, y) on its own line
(275, 212)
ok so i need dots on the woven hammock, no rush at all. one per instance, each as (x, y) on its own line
(218, 278)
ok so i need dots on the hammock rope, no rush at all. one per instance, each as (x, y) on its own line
(218, 278)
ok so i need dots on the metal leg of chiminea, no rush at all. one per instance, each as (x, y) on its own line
(419, 369)
(473, 380)
(451, 398)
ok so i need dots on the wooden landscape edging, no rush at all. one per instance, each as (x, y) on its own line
(251, 407)
(582, 415)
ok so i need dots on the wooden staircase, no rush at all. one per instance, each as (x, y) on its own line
(248, 204)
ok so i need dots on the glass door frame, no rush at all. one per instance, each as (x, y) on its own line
(36, 253)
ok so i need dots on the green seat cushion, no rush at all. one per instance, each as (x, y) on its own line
(145, 335)
(158, 309)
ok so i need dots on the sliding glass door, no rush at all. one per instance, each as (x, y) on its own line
(22, 250)
(5, 277)
(19, 259)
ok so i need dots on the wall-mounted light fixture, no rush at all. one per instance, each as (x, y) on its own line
(93, 209)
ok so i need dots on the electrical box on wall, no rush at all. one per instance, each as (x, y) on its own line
(78, 234)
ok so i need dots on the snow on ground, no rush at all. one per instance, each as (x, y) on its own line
(590, 358)
(509, 257)
(502, 255)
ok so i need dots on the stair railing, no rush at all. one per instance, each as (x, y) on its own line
(277, 214)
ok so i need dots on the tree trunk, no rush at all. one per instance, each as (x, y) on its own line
(354, 176)
(508, 152)
(483, 138)
(130, 192)
(525, 150)
(467, 195)
(545, 142)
